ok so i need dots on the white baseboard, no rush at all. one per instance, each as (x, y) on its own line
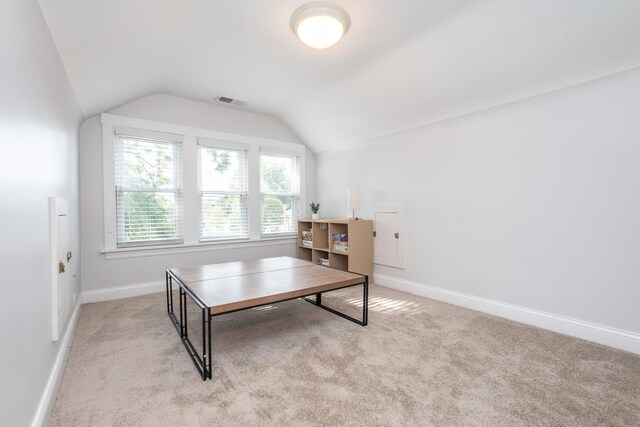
(53, 383)
(601, 334)
(108, 294)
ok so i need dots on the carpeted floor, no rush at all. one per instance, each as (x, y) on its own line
(419, 362)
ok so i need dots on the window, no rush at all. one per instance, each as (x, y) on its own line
(148, 196)
(280, 193)
(170, 188)
(223, 188)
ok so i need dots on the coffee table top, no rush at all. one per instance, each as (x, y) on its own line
(238, 285)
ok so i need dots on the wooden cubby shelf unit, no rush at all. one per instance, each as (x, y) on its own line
(359, 256)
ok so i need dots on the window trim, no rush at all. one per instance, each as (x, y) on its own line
(131, 252)
(190, 136)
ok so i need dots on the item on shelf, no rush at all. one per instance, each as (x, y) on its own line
(307, 238)
(323, 261)
(340, 237)
(340, 247)
(340, 243)
(314, 210)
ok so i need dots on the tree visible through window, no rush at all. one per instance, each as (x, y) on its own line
(147, 191)
(223, 186)
(279, 187)
(236, 189)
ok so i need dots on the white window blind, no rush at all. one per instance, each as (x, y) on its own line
(148, 191)
(279, 193)
(223, 186)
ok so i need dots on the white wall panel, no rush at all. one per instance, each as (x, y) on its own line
(535, 203)
(39, 120)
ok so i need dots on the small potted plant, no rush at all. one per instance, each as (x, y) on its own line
(315, 207)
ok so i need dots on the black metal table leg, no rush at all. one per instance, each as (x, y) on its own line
(365, 305)
(166, 278)
(204, 363)
(170, 306)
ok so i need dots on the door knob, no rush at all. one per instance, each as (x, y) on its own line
(397, 235)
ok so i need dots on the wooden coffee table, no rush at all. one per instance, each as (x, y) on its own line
(227, 287)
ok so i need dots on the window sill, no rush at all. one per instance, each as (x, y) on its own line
(143, 251)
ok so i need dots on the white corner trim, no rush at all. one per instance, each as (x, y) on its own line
(119, 292)
(53, 383)
(624, 340)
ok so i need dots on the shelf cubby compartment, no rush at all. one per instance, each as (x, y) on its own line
(339, 261)
(320, 235)
(304, 226)
(304, 253)
(317, 254)
(337, 228)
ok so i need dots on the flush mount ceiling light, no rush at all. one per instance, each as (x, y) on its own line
(320, 24)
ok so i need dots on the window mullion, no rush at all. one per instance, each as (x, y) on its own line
(190, 194)
(255, 219)
(109, 184)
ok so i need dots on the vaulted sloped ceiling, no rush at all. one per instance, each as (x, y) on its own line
(402, 64)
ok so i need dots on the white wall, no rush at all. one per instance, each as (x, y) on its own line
(100, 274)
(231, 119)
(39, 120)
(535, 203)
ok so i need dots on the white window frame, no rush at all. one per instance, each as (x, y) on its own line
(190, 197)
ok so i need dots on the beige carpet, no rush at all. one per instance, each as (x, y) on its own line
(419, 362)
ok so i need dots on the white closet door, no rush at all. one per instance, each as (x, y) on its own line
(61, 293)
(389, 240)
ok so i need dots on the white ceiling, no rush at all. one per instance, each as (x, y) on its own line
(402, 64)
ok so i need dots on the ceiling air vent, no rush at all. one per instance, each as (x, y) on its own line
(231, 101)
